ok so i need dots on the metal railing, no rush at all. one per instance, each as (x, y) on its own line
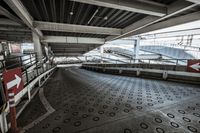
(23, 61)
(31, 67)
(32, 73)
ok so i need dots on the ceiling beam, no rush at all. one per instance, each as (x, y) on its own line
(70, 49)
(14, 33)
(14, 28)
(68, 54)
(50, 26)
(5, 21)
(170, 22)
(18, 39)
(6, 13)
(129, 5)
(21, 11)
(173, 9)
(73, 40)
(172, 34)
(194, 1)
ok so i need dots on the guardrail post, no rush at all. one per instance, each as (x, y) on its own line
(21, 62)
(31, 60)
(176, 64)
(37, 69)
(43, 68)
(27, 79)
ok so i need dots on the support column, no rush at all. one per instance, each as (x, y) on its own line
(136, 49)
(37, 46)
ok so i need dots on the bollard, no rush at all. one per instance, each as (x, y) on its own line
(13, 121)
(13, 84)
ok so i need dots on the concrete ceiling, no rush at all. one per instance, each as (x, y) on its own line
(73, 27)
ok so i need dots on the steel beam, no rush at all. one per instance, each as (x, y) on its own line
(49, 26)
(73, 40)
(21, 11)
(173, 9)
(129, 5)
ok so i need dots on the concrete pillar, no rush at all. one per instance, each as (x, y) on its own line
(136, 49)
(37, 46)
(101, 51)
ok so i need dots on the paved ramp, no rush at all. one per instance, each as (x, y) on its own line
(89, 102)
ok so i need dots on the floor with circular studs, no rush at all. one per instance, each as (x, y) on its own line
(90, 102)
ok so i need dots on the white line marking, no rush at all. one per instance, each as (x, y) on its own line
(45, 102)
(47, 106)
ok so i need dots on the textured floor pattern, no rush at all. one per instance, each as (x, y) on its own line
(92, 102)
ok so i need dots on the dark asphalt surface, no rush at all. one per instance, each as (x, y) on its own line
(92, 102)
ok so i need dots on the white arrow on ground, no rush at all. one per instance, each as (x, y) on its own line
(14, 82)
(196, 66)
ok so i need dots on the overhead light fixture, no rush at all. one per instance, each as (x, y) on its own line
(71, 13)
(105, 18)
(73, 4)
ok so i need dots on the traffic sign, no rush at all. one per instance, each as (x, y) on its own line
(13, 84)
(13, 80)
(193, 66)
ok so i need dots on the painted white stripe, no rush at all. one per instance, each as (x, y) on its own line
(11, 94)
(12, 105)
(12, 100)
(45, 102)
(47, 106)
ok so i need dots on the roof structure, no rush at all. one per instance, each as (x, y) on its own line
(73, 27)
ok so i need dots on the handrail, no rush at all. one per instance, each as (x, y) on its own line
(20, 61)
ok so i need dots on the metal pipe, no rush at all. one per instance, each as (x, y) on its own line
(93, 16)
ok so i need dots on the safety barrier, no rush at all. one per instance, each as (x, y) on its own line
(164, 74)
(141, 65)
(34, 76)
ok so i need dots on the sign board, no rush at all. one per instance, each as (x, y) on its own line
(13, 80)
(193, 66)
